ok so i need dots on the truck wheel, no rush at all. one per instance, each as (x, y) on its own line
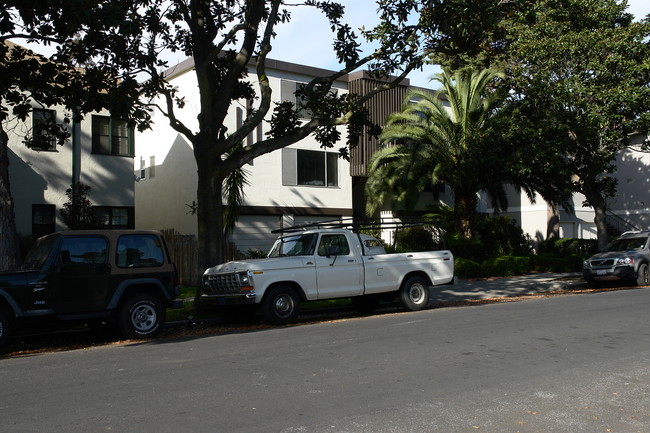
(642, 275)
(5, 328)
(280, 306)
(414, 293)
(141, 316)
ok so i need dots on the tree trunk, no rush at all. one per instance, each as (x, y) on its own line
(465, 211)
(9, 249)
(596, 200)
(552, 221)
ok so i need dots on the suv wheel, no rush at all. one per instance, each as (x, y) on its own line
(141, 316)
(643, 275)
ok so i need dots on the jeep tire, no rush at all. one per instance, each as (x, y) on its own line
(141, 316)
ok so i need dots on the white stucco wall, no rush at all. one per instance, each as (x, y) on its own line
(42, 177)
(161, 201)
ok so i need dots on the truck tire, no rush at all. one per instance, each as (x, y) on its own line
(5, 328)
(643, 275)
(141, 316)
(414, 293)
(280, 306)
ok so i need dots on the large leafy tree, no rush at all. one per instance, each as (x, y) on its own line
(429, 143)
(579, 70)
(28, 80)
(226, 37)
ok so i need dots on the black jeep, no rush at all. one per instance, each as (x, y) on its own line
(94, 276)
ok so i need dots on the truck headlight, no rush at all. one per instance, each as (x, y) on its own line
(245, 281)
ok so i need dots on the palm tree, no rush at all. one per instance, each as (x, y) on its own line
(428, 143)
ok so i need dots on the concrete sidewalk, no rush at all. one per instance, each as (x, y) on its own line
(520, 285)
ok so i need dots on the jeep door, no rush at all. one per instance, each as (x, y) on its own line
(80, 282)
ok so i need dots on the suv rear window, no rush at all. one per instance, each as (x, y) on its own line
(139, 251)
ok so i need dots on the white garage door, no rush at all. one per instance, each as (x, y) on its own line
(254, 232)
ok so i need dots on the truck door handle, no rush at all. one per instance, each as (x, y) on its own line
(309, 263)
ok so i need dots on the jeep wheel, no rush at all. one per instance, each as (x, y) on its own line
(5, 328)
(280, 306)
(141, 316)
(414, 294)
(643, 275)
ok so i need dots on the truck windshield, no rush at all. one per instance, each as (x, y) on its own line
(295, 245)
(39, 253)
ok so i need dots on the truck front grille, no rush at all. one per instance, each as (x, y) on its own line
(223, 283)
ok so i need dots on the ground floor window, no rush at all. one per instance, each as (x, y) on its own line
(116, 217)
(43, 220)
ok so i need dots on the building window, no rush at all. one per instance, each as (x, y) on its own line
(115, 217)
(112, 136)
(43, 219)
(309, 168)
(43, 124)
(317, 168)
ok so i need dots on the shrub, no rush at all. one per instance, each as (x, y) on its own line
(569, 246)
(414, 239)
(471, 249)
(547, 262)
(502, 236)
(506, 266)
(465, 268)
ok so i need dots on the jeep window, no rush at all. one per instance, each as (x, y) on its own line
(296, 245)
(139, 251)
(39, 253)
(84, 250)
(628, 244)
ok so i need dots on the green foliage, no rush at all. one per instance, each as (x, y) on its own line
(569, 246)
(254, 253)
(495, 236)
(503, 236)
(78, 213)
(506, 266)
(428, 144)
(548, 262)
(464, 268)
(471, 249)
(414, 239)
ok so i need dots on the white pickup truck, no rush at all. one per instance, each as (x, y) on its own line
(325, 264)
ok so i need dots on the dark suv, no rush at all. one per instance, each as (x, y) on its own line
(626, 258)
(121, 276)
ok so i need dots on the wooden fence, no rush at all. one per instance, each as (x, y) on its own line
(184, 250)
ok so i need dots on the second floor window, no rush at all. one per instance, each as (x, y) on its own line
(112, 136)
(310, 168)
(43, 123)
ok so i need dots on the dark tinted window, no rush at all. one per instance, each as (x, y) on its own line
(84, 250)
(138, 251)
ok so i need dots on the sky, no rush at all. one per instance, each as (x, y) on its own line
(307, 38)
(292, 44)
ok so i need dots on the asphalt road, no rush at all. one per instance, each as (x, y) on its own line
(562, 364)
